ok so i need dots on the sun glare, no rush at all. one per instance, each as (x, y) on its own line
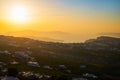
(18, 14)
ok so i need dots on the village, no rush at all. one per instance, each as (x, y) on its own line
(31, 62)
(38, 60)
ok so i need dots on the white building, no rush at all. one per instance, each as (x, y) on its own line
(33, 63)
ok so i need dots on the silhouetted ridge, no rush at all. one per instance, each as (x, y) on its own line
(95, 54)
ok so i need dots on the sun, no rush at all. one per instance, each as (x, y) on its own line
(18, 14)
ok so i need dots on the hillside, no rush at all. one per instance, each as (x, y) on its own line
(98, 56)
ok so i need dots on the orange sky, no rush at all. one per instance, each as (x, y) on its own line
(66, 16)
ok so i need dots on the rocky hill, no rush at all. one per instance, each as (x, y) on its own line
(100, 56)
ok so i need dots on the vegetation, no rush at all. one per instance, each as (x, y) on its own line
(100, 56)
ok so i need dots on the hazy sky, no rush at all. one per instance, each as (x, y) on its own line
(73, 16)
